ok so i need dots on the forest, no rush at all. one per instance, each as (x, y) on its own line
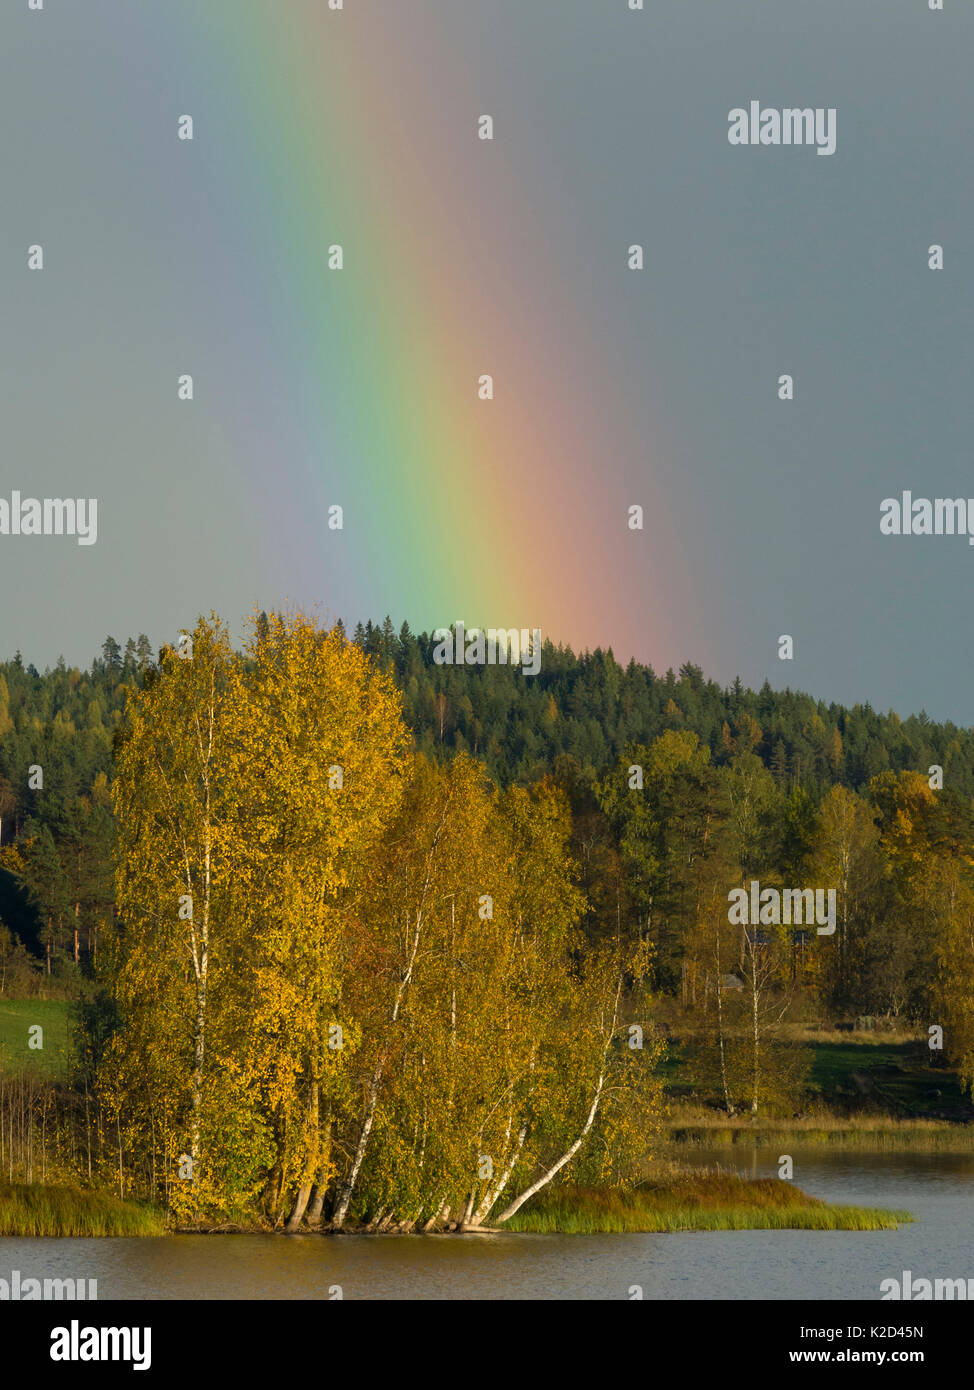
(351, 937)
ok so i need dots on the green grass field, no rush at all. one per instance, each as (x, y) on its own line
(894, 1076)
(17, 1017)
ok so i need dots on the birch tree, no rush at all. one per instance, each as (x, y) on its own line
(174, 810)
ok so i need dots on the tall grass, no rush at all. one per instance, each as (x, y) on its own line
(695, 1201)
(35, 1210)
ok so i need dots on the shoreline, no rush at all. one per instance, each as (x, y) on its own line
(684, 1201)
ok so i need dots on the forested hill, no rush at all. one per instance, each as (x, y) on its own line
(587, 708)
(591, 709)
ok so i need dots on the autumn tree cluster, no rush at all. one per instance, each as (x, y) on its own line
(347, 984)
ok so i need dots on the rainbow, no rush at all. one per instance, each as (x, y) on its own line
(314, 128)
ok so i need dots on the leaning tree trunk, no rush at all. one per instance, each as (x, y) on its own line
(493, 1196)
(566, 1157)
(570, 1153)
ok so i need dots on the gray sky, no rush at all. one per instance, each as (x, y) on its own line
(759, 262)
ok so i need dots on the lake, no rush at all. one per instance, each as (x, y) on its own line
(937, 1188)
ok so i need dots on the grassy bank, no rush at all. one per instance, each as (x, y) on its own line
(696, 1201)
(69, 1211)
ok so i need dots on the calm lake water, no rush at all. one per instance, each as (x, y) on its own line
(937, 1188)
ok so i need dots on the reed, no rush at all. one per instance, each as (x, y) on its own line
(37, 1210)
(864, 1133)
(709, 1200)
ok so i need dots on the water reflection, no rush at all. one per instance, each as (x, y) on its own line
(937, 1188)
